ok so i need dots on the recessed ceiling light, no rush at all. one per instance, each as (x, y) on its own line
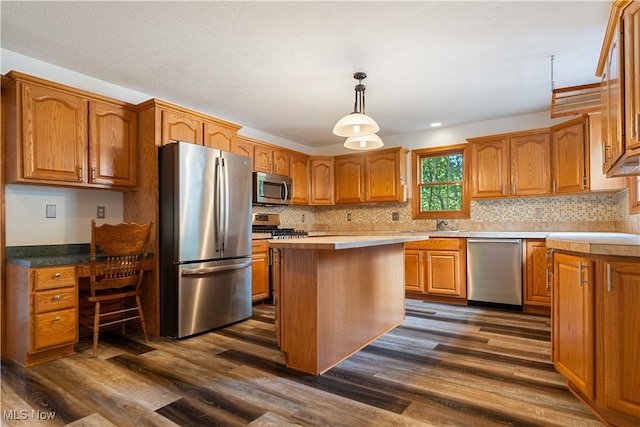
(435, 124)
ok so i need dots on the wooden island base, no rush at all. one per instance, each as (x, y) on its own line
(332, 303)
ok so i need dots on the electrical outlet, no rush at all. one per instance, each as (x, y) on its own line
(348, 217)
(395, 216)
(302, 217)
(50, 211)
(101, 212)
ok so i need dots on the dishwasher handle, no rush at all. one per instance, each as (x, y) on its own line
(514, 241)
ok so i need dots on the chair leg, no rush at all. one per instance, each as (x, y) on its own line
(96, 328)
(122, 306)
(144, 325)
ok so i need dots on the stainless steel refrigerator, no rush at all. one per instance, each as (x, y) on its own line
(205, 238)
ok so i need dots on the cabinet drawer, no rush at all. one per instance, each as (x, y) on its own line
(54, 277)
(441, 243)
(258, 246)
(55, 299)
(54, 328)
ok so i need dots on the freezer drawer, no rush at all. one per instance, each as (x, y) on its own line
(494, 271)
(209, 295)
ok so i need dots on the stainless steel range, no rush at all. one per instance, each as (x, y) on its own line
(267, 226)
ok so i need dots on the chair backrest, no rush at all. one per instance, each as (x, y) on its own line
(117, 253)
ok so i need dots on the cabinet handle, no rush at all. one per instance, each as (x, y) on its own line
(515, 187)
(57, 319)
(580, 273)
(637, 125)
(584, 182)
(93, 173)
(608, 277)
(80, 173)
(56, 297)
(605, 148)
(57, 275)
(554, 186)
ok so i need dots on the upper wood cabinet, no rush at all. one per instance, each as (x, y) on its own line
(219, 136)
(243, 146)
(597, 180)
(569, 157)
(321, 180)
(178, 124)
(299, 172)
(619, 69)
(375, 177)
(516, 164)
(61, 136)
(113, 144)
(267, 158)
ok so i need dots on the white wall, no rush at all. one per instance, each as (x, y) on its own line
(75, 208)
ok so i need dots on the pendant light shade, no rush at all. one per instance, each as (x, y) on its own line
(364, 142)
(355, 124)
(359, 128)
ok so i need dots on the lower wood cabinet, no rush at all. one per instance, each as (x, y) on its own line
(536, 275)
(43, 313)
(435, 269)
(260, 270)
(596, 344)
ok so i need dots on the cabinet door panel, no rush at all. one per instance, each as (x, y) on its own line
(54, 328)
(113, 149)
(180, 127)
(262, 158)
(568, 158)
(621, 340)
(381, 178)
(280, 163)
(443, 273)
(530, 164)
(573, 318)
(537, 290)
(413, 269)
(489, 169)
(54, 134)
(321, 182)
(631, 43)
(218, 136)
(300, 176)
(349, 184)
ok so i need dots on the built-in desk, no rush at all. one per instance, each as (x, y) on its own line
(40, 305)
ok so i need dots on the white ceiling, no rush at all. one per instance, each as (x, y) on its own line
(286, 68)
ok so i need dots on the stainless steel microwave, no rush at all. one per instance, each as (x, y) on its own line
(270, 189)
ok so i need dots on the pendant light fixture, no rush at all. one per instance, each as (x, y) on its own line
(359, 128)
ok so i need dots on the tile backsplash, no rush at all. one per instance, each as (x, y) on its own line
(591, 212)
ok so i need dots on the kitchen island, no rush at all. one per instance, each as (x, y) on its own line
(336, 294)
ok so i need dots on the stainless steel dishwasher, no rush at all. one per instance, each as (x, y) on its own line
(494, 272)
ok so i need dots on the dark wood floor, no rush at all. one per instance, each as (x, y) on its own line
(445, 366)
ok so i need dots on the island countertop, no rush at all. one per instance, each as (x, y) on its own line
(594, 243)
(342, 242)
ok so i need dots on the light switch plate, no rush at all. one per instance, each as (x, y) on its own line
(100, 213)
(50, 211)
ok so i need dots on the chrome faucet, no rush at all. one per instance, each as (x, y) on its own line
(440, 223)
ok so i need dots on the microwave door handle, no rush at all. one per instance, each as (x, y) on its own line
(284, 190)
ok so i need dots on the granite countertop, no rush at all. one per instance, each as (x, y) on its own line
(342, 242)
(596, 243)
(48, 255)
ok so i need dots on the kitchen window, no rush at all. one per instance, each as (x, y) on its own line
(441, 179)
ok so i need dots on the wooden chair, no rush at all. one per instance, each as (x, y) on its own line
(117, 255)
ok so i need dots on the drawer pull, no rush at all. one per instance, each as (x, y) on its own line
(56, 297)
(57, 319)
(57, 275)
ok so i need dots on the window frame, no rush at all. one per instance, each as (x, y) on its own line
(416, 158)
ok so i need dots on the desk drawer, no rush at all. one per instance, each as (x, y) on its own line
(54, 277)
(54, 328)
(55, 299)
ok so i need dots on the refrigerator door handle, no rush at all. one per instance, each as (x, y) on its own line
(225, 205)
(209, 270)
(217, 205)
